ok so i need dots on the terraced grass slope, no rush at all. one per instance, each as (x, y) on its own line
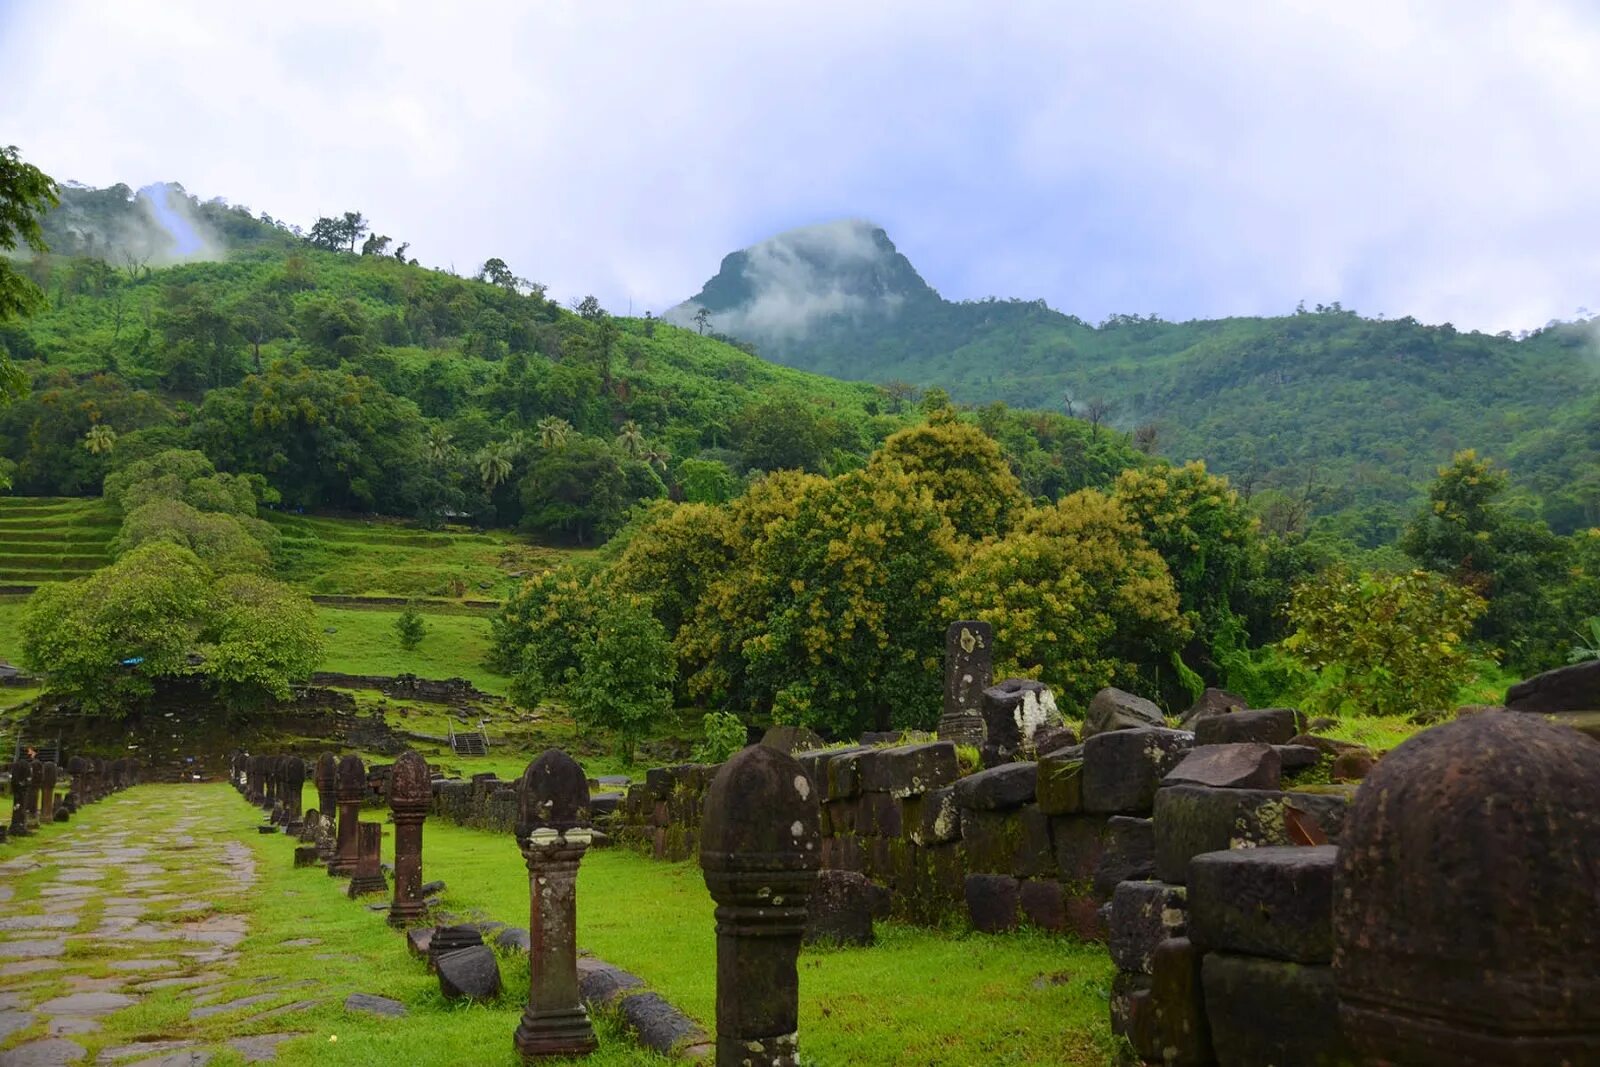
(389, 557)
(53, 539)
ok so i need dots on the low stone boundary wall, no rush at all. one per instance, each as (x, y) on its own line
(408, 687)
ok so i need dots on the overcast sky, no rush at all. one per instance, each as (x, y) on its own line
(1195, 159)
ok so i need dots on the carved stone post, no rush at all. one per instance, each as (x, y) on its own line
(410, 789)
(36, 783)
(75, 789)
(968, 667)
(21, 786)
(323, 775)
(47, 792)
(292, 779)
(368, 877)
(760, 848)
(350, 781)
(553, 831)
(269, 784)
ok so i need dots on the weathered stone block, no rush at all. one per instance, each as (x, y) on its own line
(1014, 842)
(1079, 845)
(1272, 726)
(844, 777)
(1144, 914)
(1571, 688)
(469, 973)
(1129, 853)
(937, 819)
(1044, 904)
(910, 770)
(817, 763)
(841, 815)
(879, 814)
(1275, 902)
(1178, 1004)
(791, 739)
(1009, 785)
(1123, 768)
(1268, 1011)
(1192, 819)
(1113, 709)
(1212, 702)
(1131, 1016)
(1248, 765)
(1296, 757)
(840, 910)
(992, 902)
(1059, 789)
(1015, 711)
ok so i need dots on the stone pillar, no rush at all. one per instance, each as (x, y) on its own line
(21, 786)
(292, 779)
(323, 776)
(410, 790)
(47, 792)
(75, 789)
(350, 782)
(1466, 922)
(760, 848)
(269, 784)
(368, 875)
(36, 783)
(553, 832)
(968, 668)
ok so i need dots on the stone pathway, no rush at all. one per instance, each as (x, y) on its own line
(124, 911)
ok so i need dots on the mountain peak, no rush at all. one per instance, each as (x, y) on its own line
(780, 288)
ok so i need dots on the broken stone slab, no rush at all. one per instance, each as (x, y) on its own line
(1009, 785)
(1060, 782)
(260, 1048)
(600, 984)
(657, 1025)
(513, 939)
(1128, 853)
(1273, 901)
(50, 1052)
(209, 1010)
(910, 770)
(469, 974)
(993, 901)
(371, 1004)
(1113, 709)
(937, 818)
(1296, 757)
(1017, 714)
(1122, 769)
(1144, 914)
(1246, 765)
(1212, 702)
(86, 1004)
(1571, 688)
(12, 1021)
(1193, 819)
(1273, 726)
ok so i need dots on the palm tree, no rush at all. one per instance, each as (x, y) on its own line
(100, 440)
(657, 457)
(494, 464)
(553, 431)
(631, 439)
(440, 444)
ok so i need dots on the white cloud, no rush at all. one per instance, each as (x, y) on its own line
(1434, 158)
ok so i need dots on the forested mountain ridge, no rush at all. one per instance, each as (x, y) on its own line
(1358, 413)
(350, 378)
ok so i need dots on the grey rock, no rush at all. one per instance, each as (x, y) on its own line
(1249, 765)
(513, 939)
(374, 1005)
(469, 973)
(1009, 785)
(1114, 709)
(50, 1052)
(657, 1024)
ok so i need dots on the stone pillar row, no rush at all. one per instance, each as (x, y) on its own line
(33, 789)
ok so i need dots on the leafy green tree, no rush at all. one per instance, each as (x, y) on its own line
(631, 440)
(1077, 599)
(495, 463)
(553, 432)
(260, 637)
(785, 433)
(376, 244)
(535, 636)
(223, 542)
(25, 193)
(184, 475)
(1386, 644)
(200, 344)
(672, 556)
(579, 494)
(410, 629)
(725, 735)
(259, 317)
(100, 440)
(707, 481)
(702, 320)
(963, 468)
(337, 327)
(625, 673)
(104, 639)
(1517, 565)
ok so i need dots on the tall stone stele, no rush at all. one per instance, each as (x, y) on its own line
(410, 790)
(324, 775)
(367, 879)
(47, 791)
(36, 783)
(75, 772)
(968, 668)
(292, 780)
(553, 832)
(349, 783)
(1466, 914)
(760, 848)
(21, 786)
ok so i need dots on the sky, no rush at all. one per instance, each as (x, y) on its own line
(1435, 159)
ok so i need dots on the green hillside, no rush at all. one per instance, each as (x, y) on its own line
(1362, 411)
(48, 540)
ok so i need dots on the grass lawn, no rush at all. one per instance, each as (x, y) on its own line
(364, 642)
(917, 997)
(11, 628)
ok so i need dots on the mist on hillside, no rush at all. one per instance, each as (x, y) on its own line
(157, 226)
(778, 289)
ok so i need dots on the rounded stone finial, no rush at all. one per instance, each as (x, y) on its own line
(1466, 922)
(75, 766)
(762, 813)
(292, 772)
(325, 772)
(553, 794)
(410, 785)
(351, 778)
